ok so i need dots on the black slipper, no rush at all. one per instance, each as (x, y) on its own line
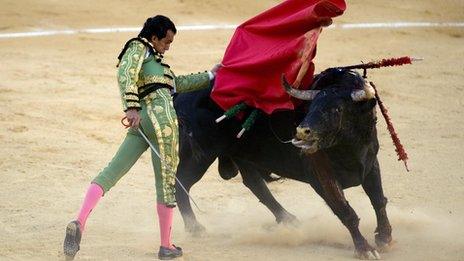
(72, 239)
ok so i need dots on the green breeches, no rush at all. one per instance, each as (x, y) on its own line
(159, 124)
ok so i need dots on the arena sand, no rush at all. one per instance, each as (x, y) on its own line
(60, 126)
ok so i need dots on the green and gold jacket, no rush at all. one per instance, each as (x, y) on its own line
(139, 74)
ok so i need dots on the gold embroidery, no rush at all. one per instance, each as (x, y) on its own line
(131, 97)
(166, 145)
(133, 104)
(167, 131)
(159, 109)
(150, 97)
(127, 74)
(155, 79)
(168, 71)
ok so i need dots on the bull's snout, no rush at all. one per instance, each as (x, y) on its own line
(304, 139)
(302, 133)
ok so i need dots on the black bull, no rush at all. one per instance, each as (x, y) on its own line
(335, 147)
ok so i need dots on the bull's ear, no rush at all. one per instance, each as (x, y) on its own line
(366, 106)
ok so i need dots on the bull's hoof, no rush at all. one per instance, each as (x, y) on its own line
(196, 230)
(368, 255)
(366, 252)
(288, 219)
(383, 242)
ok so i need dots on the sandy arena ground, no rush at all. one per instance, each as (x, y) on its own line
(60, 126)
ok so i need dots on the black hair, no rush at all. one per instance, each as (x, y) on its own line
(157, 26)
(154, 26)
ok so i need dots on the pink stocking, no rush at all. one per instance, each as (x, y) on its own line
(94, 193)
(165, 215)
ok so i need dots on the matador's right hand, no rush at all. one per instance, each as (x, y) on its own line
(325, 22)
(133, 117)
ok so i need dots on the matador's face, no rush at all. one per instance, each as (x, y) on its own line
(162, 45)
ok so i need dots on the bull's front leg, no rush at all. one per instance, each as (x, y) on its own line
(189, 172)
(333, 195)
(372, 185)
(253, 180)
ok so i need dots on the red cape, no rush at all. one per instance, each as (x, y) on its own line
(264, 47)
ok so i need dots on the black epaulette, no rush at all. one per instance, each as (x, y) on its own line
(143, 41)
(159, 57)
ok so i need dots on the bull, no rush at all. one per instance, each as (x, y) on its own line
(335, 147)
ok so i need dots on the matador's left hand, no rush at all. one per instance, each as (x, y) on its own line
(133, 117)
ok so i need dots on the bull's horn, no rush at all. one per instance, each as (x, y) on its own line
(306, 95)
(365, 94)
